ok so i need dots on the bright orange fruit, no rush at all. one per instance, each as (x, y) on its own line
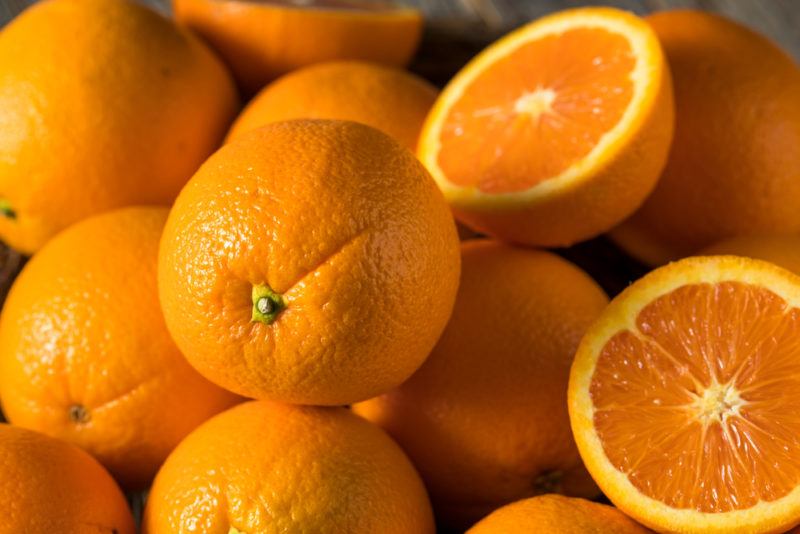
(782, 250)
(263, 39)
(269, 467)
(485, 418)
(312, 262)
(391, 100)
(103, 104)
(556, 132)
(734, 164)
(684, 397)
(47, 485)
(84, 352)
(556, 514)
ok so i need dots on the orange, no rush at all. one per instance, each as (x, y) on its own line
(391, 100)
(485, 418)
(263, 39)
(84, 352)
(312, 262)
(782, 250)
(684, 397)
(556, 132)
(734, 167)
(556, 514)
(103, 104)
(47, 485)
(269, 467)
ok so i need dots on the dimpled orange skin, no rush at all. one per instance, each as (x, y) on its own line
(347, 226)
(485, 419)
(556, 514)
(270, 467)
(261, 40)
(47, 485)
(734, 166)
(389, 99)
(782, 250)
(84, 352)
(103, 104)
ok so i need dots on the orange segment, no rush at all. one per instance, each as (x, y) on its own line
(556, 132)
(538, 125)
(685, 397)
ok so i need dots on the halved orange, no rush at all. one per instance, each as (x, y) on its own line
(556, 132)
(684, 397)
(263, 39)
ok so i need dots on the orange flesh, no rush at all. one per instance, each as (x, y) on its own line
(532, 114)
(700, 407)
(344, 5)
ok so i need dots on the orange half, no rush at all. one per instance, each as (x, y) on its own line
(556, 132)
(684, 397)
(263, 39)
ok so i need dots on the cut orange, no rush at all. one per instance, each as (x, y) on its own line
(263, 39)
(684, 397)
(556, 132)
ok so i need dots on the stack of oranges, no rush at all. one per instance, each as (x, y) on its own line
(262, 317)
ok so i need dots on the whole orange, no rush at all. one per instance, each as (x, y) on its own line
(269, 467)
(84, 352)
(103, 104)
(313, 262)
(734, 165)
(391, 100)
(485, 418)
(47, 485)
(556, 514)
(782, 250)
(263, 39)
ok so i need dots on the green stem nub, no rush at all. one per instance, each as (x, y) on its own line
(6, 210)
(267, 304)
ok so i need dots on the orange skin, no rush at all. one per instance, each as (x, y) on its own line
(391, 100)
(262, 40)
(47, 485)
(351, 235)
(733, 166)
(270, 467)
(479, 146)
(103, 104)
(85, 355)
(485, 418)
(782, 250)
(556, 514)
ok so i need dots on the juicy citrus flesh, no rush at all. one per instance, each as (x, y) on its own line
(694, 399)
(714, 399)
(546, 108)
(537, 122)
